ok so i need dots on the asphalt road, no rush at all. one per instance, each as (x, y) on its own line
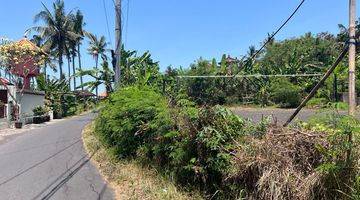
(50, 163)
(280, 115)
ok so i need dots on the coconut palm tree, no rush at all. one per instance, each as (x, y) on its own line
(78, 20)
(56, 31)
(39, 41)
(97, 47)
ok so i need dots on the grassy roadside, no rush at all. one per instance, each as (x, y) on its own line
(129, 179)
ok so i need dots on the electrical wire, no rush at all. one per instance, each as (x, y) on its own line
(274, 34)
(107, 21)
(127, 22)
(254, 76)
(124, 24)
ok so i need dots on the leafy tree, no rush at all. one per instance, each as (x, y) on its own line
(134, 68)
(101, 76)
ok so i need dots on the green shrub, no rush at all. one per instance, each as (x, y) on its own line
(40, 110)
(285, 94)
(317, 103)
(341, 155)
(201, 149)
(338, 105)
(182, 140)
(132, 117)
(213, 150)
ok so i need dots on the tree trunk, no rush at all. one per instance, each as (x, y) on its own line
(69, 71)
(61, 77)
(335, 88)
(45, 72)
(73, 66)
(81, 77)
(96, 67)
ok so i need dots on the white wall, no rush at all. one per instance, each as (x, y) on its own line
(29, 101)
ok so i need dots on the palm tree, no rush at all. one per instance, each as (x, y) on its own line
(97, 47)
(39, 41)
(78, 20)
(56, 31)
(68, 57)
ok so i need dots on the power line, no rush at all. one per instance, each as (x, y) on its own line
(274, 34)
(107, 21)
(127, 21)
(124, 24)
(254, 75)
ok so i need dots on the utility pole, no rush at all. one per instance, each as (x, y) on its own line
(352, 77)
(352, 54)
(118, 43)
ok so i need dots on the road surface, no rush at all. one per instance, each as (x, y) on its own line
(281, 115)
(50, 163)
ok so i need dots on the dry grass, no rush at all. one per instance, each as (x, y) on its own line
(281, 166)
(129, 179)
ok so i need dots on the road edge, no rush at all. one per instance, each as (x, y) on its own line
(128, 179)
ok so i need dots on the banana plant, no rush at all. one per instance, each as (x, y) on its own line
(101, 76)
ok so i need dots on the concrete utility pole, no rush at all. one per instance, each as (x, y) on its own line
(118, 43)
(352, 54)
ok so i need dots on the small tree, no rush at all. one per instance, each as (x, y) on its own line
(13, 55)
(101, 76)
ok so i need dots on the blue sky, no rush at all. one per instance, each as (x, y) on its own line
(179, 32)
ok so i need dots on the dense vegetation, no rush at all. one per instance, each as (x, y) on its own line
(228, 157)
(177, 126)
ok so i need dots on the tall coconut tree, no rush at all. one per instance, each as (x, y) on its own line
(68, 58)
(57, 29)
(97, 48)
(78, 20)
(49, 61)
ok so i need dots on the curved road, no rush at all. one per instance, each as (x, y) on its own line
(50, 163)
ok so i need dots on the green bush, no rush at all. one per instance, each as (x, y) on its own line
(132, 117)
(217, 152)
(182, 140)
(285, 94)
(341, 155)
(40, 110)
(201, 148)
(317, 103)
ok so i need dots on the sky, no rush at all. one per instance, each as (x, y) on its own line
(178, 32)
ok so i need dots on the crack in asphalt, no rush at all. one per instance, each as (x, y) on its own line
(93, 189)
